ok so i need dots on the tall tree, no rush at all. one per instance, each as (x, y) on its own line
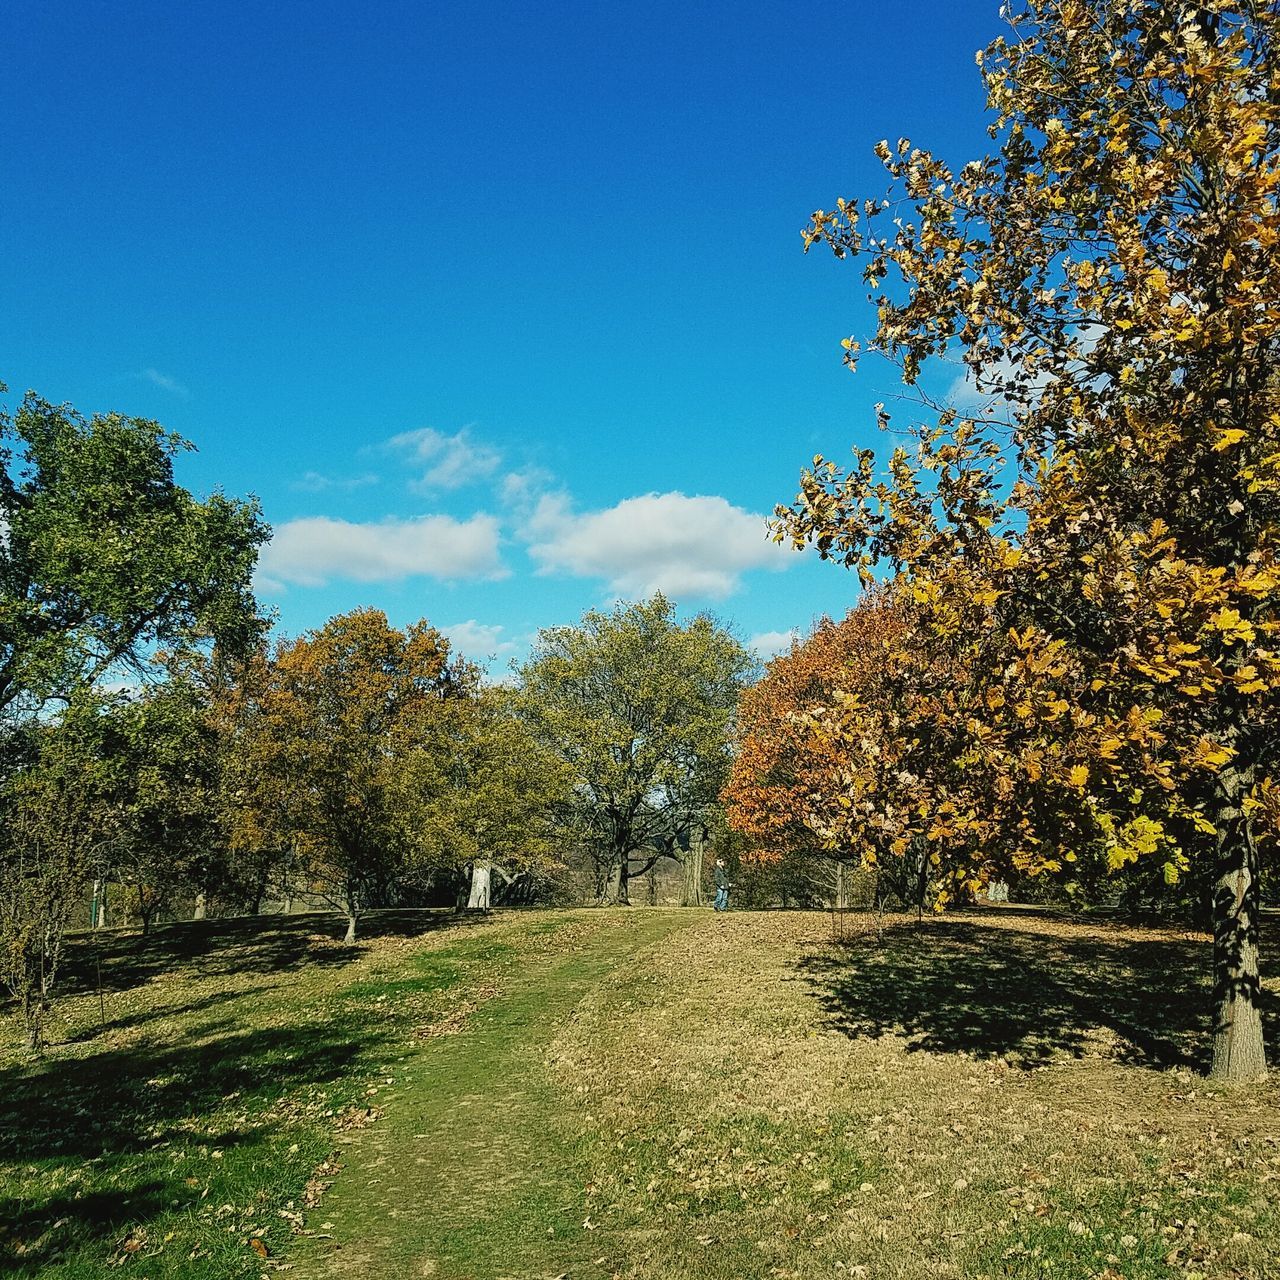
(322, 734)
(102, 557)
(639, 708)
(1111, 280)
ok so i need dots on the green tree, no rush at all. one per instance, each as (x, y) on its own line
(1108, 528)
(639, 708)
(61, 813)
(486, 795)
(104, 557)
(170, 839)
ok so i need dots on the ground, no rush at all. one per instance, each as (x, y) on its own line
(642, 1093)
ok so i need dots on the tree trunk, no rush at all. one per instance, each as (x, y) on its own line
(98, 906)
(198, 911)
(692, 865)
(481, 885)
(1239, 1051)
(616, 890)
(651, 881)
(350, 936)
(839, 885)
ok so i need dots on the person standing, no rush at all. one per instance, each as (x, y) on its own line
(722, 886)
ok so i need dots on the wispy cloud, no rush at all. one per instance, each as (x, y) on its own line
(447, 461)
(315, 482)
(479, 641)
(165, 382)
(684, 546)
(768, 644)
(311, 551)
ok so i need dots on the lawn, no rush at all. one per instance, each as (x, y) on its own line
(637, 1094)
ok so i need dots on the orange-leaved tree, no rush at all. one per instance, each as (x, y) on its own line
(320, 738)
(789, 788)
(1110, 279)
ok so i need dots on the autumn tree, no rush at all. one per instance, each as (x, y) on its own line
(322, 732)
(639, 708)
(788, 789)
(1109, 277)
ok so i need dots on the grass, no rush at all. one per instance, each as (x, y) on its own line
(646, 1094)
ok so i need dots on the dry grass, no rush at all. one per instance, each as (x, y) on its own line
(969, 1097)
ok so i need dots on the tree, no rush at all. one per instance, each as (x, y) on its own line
(787, 790)
(639, 708)
(61, 815)
(486, 796)
(104, 557)
(170, 838)
(323, 731)
(1111, 281)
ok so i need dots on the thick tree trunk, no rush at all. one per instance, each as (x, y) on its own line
(481, 885)
(692, 865)
(199, 910)
(616, 889)
(350, 936)
(1239, 1051)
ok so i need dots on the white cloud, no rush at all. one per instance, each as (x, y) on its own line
(768, 644)
(683, 546)
(164, 382)
(315, 482)
(449, 462)
(310, 551)
(479, 640)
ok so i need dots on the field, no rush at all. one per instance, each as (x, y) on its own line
(644, 1093)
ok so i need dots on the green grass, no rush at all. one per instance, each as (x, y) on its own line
(639, 1094)
(192, 1122)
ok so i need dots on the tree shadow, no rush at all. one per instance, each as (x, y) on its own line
(114, 1106)
(240, 944)
(108, 1118)
(1022, 992)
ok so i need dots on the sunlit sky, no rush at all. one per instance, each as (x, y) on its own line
(502, 312)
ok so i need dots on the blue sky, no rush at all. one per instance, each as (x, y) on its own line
(501, 312)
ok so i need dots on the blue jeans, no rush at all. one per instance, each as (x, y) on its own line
(722, 900)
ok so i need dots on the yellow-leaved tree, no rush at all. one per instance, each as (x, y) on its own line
(1092, 556)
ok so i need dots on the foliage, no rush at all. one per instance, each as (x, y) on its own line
(639, 709)
(788, 791)
(1093, 561)
(61, 816)
(104, 556)
(319, 736)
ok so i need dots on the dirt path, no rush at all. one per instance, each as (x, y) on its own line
(470, 1169)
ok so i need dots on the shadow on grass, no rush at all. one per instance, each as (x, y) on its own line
(241, 944)
(1025, 992)
(113, 1107)
(113, 1122)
